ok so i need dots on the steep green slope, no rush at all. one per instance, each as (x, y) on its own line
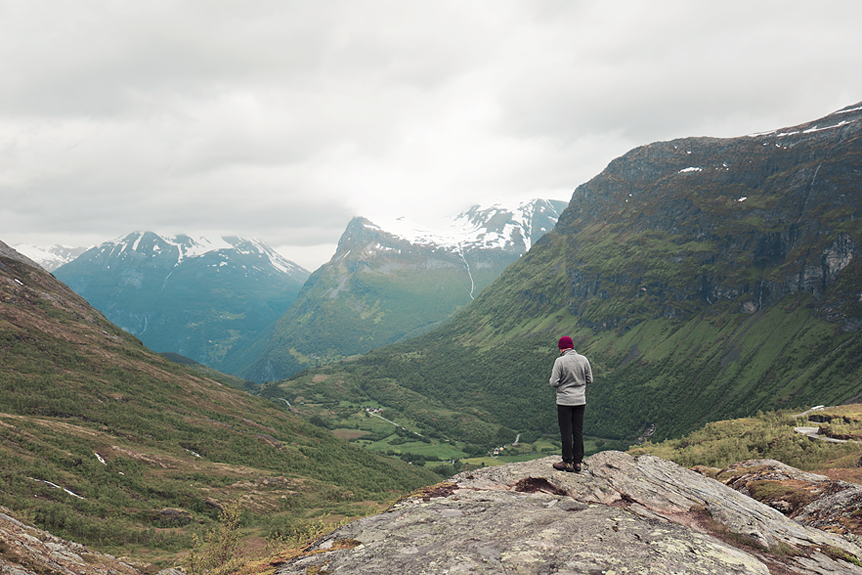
(704, 278)
(104, 442)
(380, 309)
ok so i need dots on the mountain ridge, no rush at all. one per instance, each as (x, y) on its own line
(50, 257)
(772, 211)
(512, 228)
(387, 282)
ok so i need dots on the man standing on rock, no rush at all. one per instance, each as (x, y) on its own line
(570, 376)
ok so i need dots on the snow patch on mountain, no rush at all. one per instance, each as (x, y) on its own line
(189, 248)
(279, 262)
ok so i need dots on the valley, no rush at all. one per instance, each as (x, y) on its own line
(392, 280)
(388, 432)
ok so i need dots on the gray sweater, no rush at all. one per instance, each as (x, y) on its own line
(570, 376)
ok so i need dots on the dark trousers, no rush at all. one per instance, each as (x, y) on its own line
(572, 432)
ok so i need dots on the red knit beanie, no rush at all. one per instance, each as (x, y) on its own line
(566, 343)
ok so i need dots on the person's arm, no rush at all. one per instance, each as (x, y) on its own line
(555, 375)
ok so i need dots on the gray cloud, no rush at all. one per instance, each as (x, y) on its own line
(281, 120)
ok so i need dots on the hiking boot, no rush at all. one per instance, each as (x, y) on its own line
(575, 467)
(562, 466)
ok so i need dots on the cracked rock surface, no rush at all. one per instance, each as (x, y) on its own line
(620, 515)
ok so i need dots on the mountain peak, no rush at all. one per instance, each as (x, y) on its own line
(392, 278)
(199, 297)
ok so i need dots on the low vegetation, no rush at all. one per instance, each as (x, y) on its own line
(771, 435)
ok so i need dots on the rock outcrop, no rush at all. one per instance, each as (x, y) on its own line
(809, 498)
(25, 550)
(620, 515)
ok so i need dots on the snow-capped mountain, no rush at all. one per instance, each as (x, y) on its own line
(178, 249)
(50, 257)
(510, 229)
(391, 279)
(198, 297)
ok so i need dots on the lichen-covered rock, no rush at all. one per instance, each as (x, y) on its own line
(620, 515)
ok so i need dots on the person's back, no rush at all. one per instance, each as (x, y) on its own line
(573, 377)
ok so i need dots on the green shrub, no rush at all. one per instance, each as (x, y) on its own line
(216, 552)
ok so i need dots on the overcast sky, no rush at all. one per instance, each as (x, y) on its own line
(282, 120)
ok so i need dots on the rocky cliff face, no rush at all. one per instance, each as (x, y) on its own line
(744, 220)
(621, 515)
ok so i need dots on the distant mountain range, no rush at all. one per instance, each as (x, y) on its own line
(217, 302)
(198, 297)
(390, 280)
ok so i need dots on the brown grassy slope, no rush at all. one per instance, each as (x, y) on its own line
(144, 452)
